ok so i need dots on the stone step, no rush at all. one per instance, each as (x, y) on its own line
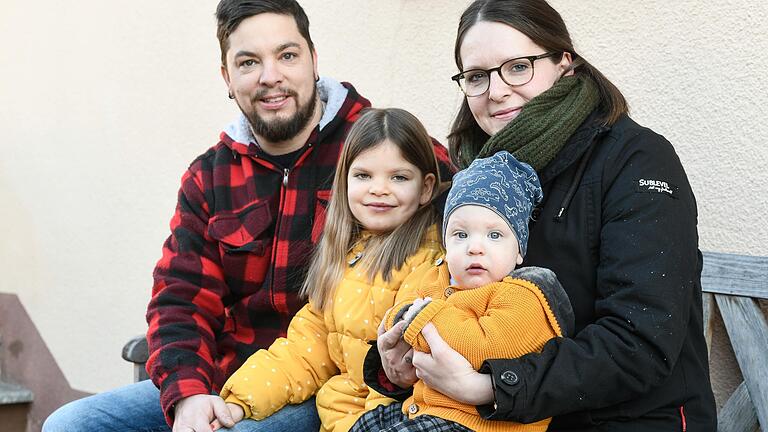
(14, 394)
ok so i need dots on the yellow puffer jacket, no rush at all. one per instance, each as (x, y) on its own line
(323, 352)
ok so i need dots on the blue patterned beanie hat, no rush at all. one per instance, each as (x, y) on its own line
(500, 183)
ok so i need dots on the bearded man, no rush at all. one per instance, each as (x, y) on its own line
(249, 212)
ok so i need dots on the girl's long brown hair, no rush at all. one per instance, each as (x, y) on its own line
(546, 28)
(383, 253)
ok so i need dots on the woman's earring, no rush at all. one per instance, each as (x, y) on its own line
(231, 96)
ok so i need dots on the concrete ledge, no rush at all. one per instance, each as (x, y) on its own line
(27, 362)
(14, 394)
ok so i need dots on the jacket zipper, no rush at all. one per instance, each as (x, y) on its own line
(275, 240)
(286, 171)
(574, 183)
(579, 174)
(278, 220)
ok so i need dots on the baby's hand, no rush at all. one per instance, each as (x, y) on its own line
(235, 410)
(415, 308)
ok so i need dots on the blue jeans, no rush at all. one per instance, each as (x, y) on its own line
(136, 408)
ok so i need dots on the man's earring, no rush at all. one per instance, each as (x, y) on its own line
(317, 78)
(231, 96)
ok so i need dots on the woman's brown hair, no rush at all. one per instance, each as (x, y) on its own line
(546, 28)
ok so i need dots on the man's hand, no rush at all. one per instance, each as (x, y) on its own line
(396, 355)
(235, 410)
(195, 413)
(448, 372)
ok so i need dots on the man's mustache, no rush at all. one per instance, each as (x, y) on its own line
(261, 94)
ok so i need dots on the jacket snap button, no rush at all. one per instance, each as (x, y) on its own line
(355, 259)
(413, 408)
(448, 291)
(439, 261)
(509, 378)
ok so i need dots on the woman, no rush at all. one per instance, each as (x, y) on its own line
(617, 226)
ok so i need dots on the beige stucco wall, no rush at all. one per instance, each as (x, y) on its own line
(103, 105)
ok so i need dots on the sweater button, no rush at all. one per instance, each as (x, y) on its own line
(448, 291)
(509, 378)
(413, 408)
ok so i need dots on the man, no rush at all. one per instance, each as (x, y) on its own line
(249, 212)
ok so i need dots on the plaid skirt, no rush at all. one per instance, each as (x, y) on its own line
(390, 418)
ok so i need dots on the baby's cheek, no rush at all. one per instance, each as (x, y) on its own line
(458, 277)
(452, 258)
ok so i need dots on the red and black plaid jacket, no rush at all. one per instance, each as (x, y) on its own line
(241, 236)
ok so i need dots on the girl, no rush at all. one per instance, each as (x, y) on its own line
(380, 227)
(617, 226)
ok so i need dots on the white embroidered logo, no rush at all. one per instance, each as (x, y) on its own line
(658, 186)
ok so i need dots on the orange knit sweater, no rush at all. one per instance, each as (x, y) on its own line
(505, 319)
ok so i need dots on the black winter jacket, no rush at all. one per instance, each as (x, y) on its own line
(618, 227)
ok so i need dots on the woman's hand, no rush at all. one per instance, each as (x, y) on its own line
(396, 355)
(448, 372)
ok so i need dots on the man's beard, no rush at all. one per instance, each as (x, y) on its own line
(279, 130)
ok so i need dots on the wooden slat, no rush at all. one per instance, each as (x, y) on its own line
(748, 332)
(735, 275)
(738, 414)
(708, 303)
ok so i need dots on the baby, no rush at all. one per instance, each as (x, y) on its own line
(478, 302)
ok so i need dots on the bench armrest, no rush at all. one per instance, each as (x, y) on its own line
(136, 351)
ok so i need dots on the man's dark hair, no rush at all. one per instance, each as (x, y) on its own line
(230, 13)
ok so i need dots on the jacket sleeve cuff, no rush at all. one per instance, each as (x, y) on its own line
(508, 380)
(489, 411)
(514, 386)
(425, 315)
(174, 388)
(395, 314)
(246, 408)
(375, 378)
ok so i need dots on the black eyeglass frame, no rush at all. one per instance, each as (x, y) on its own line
(497, 69)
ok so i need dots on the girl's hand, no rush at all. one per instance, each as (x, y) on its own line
(396, 356)
(237, 413)
(448, 372)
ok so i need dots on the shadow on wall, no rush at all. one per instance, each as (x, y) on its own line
(26, 361)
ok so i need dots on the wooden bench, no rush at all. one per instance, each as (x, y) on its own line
(733, 283)
(136, 351)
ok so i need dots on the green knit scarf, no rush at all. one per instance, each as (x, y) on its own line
(545, 123)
